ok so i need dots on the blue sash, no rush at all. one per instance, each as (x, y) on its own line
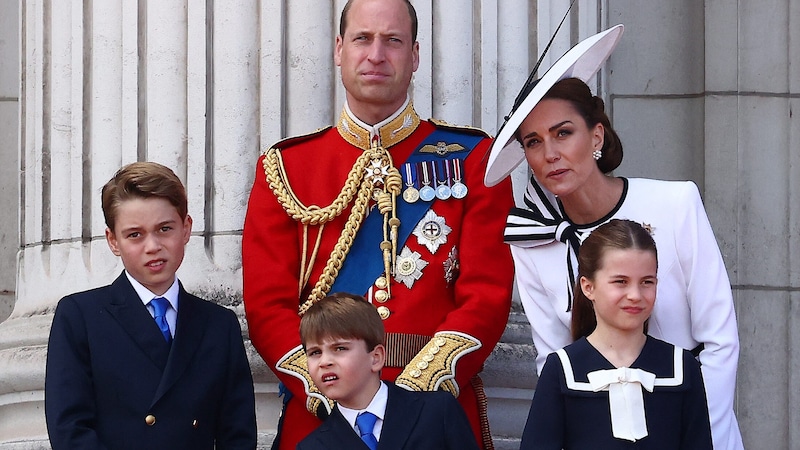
(364, 262)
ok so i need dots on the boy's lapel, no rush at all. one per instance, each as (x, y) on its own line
(402, 414)
(189, 329)
(127, 309)
(336, 432)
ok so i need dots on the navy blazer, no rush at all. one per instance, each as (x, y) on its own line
(113, 382)
(413, 420)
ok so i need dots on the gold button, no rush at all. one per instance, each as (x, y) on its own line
(150, 419)
(434, 349)
(381, 296)
(384, 312)
(194, 423)
(415, 373)
(440, 341)
(427, 357)
(422, 365)
(381, 283)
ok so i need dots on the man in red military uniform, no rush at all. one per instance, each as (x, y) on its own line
(386, 205)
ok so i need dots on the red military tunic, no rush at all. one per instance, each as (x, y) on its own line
(471, 306)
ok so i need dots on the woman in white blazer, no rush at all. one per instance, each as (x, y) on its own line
(564, 134)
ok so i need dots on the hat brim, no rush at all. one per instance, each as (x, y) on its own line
(581, 61)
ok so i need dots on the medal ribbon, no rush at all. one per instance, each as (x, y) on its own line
(440, 173)
(411, 179)
(456, 170)
(426, 178)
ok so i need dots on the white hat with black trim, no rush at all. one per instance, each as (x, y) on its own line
(581, 61)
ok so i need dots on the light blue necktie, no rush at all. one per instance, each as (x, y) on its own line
(160, 306)
(366, 422)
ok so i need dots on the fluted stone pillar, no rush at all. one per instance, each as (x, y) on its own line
(9, 137)
(108, 83)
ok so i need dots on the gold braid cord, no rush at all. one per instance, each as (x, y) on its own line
(340, 250)
(434, 367)
(372, 175)
(311, 215)
(483, 416)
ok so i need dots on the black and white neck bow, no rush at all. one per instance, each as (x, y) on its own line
(542, 223)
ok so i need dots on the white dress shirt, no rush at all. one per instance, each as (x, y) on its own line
(171, 295)
(377, 406)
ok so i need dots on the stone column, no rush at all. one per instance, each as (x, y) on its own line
(752, 160)
(9, 137)
(106, 83)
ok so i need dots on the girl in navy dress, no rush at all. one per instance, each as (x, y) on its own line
(616, 387)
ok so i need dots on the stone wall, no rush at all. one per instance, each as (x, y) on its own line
(9, 141)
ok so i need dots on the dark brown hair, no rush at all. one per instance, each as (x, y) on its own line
(345, 316)
(142, 180)
(592, 109)
(616, 234)
(412, 13)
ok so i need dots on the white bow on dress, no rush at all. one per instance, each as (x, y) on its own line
(624, 386)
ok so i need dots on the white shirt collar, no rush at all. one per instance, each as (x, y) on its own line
(146, 295)
(377, 406)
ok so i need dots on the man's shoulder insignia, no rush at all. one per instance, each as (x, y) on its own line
(294, 140)
(462, 128)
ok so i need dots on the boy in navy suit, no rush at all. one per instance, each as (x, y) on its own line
(343, 338)
(141, 363)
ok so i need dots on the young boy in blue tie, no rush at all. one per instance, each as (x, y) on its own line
(141, 363)
(343, 337)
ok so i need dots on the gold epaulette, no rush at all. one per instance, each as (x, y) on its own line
(434, 367)
(294, 140)
(463, 128)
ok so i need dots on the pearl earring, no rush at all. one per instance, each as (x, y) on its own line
(597, 154)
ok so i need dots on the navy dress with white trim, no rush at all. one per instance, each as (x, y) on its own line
(567, 412)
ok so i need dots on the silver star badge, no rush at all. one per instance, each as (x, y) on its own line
(431, 231)
(408, 268)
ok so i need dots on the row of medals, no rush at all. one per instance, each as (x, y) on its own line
(421, 177)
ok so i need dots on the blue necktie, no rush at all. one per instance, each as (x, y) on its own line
(366, 422)
(160, 306)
